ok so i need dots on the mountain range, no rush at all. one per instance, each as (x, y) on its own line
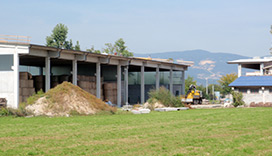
(206, 64)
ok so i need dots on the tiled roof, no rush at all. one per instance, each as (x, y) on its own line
(252, 81)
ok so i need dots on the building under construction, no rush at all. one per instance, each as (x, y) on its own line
(27, 68)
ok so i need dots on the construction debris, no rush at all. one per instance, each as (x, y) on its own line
(168, 109)
(140, 111)
(207, 106)
(153, 105)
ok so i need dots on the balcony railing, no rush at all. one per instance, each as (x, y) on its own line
(15, 39)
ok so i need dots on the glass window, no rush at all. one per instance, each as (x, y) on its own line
(243, 90)
(254, 90)
(6, 62)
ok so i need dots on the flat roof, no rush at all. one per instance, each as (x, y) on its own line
(35, 46)
(251, 61)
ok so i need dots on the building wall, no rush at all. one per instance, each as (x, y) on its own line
(264, 95)
(7, 87)
(9, 73)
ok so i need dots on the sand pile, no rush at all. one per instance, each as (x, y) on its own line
(66, 99)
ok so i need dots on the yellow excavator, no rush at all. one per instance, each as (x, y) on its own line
(193, 96)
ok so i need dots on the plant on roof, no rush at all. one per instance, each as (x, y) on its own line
(118, 48)
(58, 38)
(92, 50)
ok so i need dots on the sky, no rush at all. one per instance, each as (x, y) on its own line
(147, 26)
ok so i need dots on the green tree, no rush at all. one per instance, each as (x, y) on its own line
(118, 47)
(92, 50)
(77, 46)
(190, 80)
(58, 38)
(110, 49)
(69, 45)
(122, 49)
(170, 59)
(225, 81)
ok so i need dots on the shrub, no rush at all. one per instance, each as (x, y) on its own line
(165, 97)
(20, 112)
(4, 112)
(237, 99)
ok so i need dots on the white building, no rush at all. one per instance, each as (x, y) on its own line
(256, 87)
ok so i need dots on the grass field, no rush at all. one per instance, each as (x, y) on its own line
(240, 131)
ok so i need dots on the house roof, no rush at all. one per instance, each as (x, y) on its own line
(245, 81)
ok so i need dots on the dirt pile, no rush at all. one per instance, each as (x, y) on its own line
(66, 99)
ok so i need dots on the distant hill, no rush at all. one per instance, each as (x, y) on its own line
(206, 64)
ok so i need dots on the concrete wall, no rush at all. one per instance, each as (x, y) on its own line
(7, 87)
(264, 95)
(9, 73)
(7, 78)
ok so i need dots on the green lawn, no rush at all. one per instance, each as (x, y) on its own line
(240, 131)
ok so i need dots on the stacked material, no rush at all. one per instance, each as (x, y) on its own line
(110, 91)
(26, 86)
(88, 83)
(54, 81)
(63, 78)
(39, 83)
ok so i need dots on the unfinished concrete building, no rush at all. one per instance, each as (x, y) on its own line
(27, 68)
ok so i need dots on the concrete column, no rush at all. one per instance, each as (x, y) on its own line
(239, 70)
(142, 85)
(75, 72)
(119, 85)
(126, 85)
(183, 82)
(157, 78)
(171, 81)
(16, 78)
(98, 80)
(261, 68)
(47, 73)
